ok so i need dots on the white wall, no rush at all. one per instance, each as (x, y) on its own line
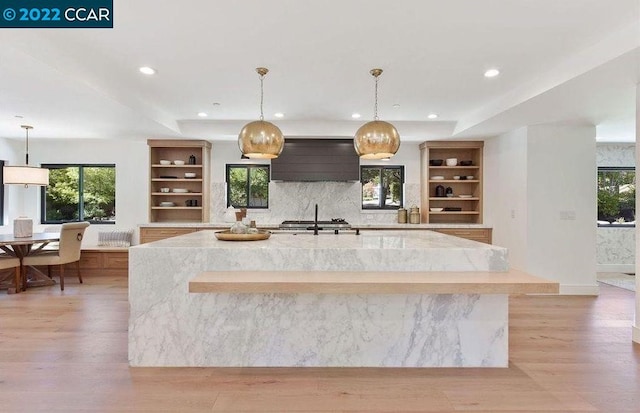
(505, 193)
(561, 180)
(545, 174)
(132, 171)
(10, 151)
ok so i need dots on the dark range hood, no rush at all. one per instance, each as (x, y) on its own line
(316, 160)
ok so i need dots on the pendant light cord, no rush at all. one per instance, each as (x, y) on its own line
(26, 155)
(375, 106)
(261, 96)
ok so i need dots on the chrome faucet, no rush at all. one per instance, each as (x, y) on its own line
(315, 222)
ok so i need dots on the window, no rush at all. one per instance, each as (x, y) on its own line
(248, 186)
(1, 194)
(382, 186)
(616, 196)
(79, 193)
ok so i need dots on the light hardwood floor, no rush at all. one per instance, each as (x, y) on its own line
(67, 352)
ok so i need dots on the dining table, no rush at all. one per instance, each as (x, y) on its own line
(21, 247)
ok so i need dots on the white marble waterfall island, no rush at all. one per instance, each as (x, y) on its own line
(365, 313)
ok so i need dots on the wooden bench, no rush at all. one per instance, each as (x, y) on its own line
(355, 282)
(96, 260)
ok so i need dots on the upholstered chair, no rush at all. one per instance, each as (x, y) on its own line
(7, 262)
(68, 251)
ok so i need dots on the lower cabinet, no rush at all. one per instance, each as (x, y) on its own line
(474, 234)
(157, 234)
(97, 261)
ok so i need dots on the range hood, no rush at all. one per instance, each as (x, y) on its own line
(316, 160)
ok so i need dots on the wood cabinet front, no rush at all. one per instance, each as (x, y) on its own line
(473, 234)
(157, 234)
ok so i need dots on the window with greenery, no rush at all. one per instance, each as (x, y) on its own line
(616, 196)
(382, 186)
(1, 194)
(248, 186)
(79, 193)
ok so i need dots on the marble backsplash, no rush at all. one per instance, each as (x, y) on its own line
(616, 154)
(616, 246)
(296, 200)
(616, 249)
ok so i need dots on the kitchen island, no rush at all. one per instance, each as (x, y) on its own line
(171, 326)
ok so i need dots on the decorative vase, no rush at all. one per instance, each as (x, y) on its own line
(230, 215)
(22, 227)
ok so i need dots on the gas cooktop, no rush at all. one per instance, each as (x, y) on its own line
(335, 223)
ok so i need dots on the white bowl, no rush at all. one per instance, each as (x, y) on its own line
(178, 162)
(165, 190)
(189, 174)
(465, 196)
(456, 177)
(436, 209)
(167, 204)
(451, 161)
(437, 177)
(180, 190)
(469, 177)
(165, 162)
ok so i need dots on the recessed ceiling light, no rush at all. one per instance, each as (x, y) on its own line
(355, 115)
(432, 116)
(279, 115)
(147, 70)
(491, 73)
(396, 105)
(202, 114)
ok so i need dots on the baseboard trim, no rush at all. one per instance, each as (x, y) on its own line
(635, 334)
(615, 268)
(579, 289)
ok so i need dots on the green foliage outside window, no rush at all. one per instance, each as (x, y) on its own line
(617, 195)
(80, 193)
(248, 186)
(382, 186)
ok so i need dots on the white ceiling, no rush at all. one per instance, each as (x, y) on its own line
(561, 61)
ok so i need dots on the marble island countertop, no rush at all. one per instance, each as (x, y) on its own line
(275, 225)
(369, 251)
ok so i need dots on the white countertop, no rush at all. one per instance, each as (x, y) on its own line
(390, 226)
(370, 251)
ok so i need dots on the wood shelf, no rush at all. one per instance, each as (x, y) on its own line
(177, 193)
(463, 151)
(454, 213)
(176, 166)
(176, 179)
(454, 167)
(176, 207)
(454, 198)
(454, 181)
(179, 149)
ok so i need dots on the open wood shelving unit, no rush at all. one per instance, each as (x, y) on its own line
(470, 207)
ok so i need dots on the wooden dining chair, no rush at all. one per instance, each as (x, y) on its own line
(8, 262)
(68, 251)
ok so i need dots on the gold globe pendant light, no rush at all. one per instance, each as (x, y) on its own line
(261, 139)
(376, 139)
